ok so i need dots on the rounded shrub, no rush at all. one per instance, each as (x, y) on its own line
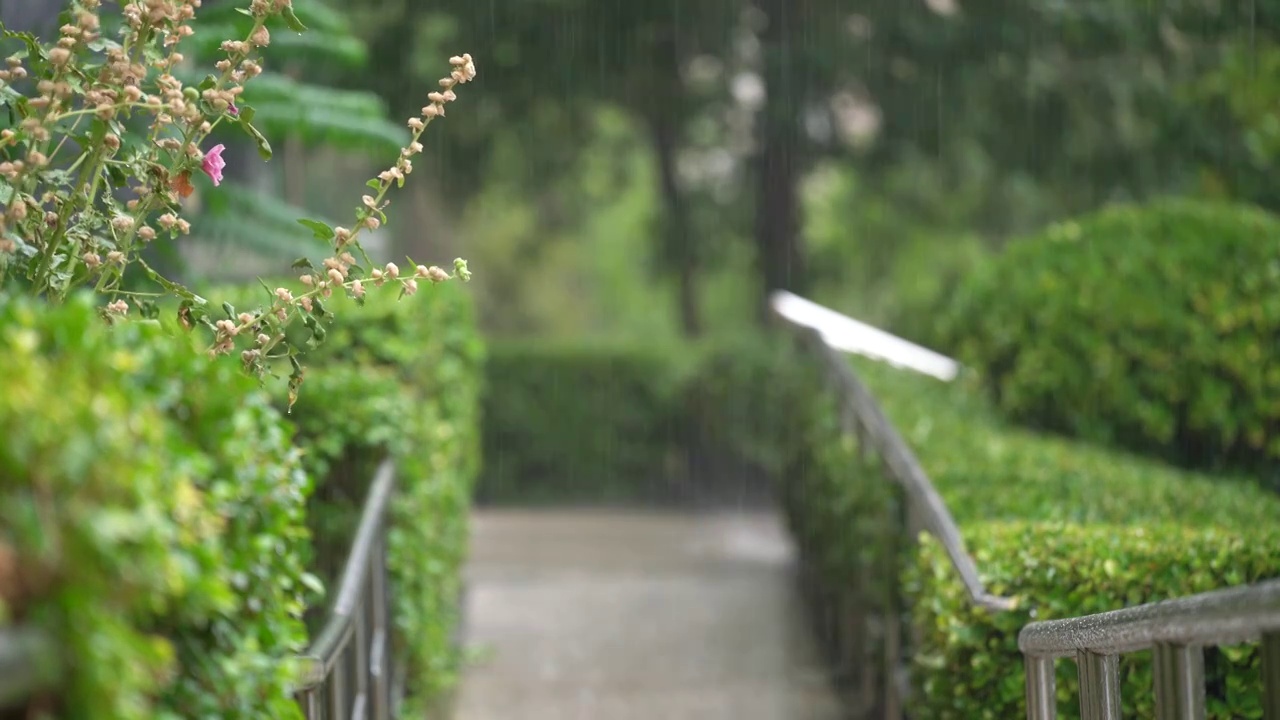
(1153, 327)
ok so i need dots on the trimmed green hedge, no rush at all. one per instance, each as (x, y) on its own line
(1065, 528)
(582, 422)
(1149, 327)
(400, 379)
(151, 518)
(968, 664)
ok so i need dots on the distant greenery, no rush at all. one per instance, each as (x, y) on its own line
(581, 422)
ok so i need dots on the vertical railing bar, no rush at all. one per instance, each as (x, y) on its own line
(1271, 675)
(1042, 703)
(337, 693)
(1179, 681)
(310, 704)
(1099, 686)
(361, 651)
(382, 652)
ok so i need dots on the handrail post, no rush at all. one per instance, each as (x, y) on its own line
(1271, 675)
(380, 663)
(1099, 686)
(349, 661)
(1179, 681)
(1042, 688)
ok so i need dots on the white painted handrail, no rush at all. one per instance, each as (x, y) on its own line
(848, 335)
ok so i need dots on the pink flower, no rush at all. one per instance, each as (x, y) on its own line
(213, 164)
(233, 110)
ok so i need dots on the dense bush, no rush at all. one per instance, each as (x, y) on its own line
(399, 379)
(151, 518)
(581, 422)
(1149, 327)
(1064, 528)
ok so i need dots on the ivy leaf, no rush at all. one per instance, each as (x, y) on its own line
(321, 230)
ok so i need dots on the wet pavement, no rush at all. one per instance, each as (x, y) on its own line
(611, 615)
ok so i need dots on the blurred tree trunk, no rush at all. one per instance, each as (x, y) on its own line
(779, 255)
(676, 226)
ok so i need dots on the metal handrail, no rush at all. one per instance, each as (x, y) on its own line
(1176, 630)
(349, 664)
(860, 408)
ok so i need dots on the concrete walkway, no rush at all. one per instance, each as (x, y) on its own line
(604, 615)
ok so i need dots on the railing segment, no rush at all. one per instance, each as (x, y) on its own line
(1177, 631)
(349, 664)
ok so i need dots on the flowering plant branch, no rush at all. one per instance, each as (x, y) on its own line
(94, 116)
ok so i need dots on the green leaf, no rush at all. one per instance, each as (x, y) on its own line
(302, 263)
(246, 114)
(292, 20)
(312, 583)
(264, 147)
(321, 230)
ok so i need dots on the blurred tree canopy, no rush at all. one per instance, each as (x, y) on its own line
(693, 155)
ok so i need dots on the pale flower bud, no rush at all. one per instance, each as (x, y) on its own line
(436, 275)
(357, 289)
(306, 280)
(59, 56)
(245, 318)
(410, 286)
(284, 294)
(392, 271)
(335, 276)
